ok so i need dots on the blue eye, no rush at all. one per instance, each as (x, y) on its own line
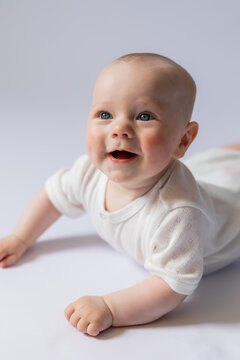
(145, 117)
(104, 115)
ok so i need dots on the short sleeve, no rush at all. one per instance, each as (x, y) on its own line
(176, 250)
(64, 188)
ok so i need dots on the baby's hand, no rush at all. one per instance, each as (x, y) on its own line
(89, 314)
(11, 249)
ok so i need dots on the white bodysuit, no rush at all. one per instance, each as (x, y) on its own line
(187, 225)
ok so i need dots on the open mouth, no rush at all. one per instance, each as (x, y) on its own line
(121, 155)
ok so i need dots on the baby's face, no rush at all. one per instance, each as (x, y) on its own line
(133, 127)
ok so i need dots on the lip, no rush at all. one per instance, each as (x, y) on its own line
(121, 149)
(121, 161)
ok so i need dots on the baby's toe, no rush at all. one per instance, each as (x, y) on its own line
(82, 325)
(69, 311)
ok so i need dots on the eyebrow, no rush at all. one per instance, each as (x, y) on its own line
(143, 102)
(151, 101)
(101, 103)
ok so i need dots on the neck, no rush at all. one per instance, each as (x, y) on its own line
(121, 194)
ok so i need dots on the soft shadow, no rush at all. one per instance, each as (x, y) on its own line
(215, 301)
(61, 245)
(110, 333)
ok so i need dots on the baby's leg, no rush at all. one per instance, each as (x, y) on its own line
(232, 146)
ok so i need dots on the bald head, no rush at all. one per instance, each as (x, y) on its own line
(179, 82)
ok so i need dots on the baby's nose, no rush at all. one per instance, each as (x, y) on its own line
(122, 128)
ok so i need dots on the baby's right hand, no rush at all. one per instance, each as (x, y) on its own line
(11, 249)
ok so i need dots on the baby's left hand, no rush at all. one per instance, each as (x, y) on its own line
(89, 314)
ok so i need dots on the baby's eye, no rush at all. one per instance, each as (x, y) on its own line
(104, 115)
(145, 117)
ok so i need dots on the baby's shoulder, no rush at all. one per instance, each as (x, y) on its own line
(83, 174)
(83, 167)
(182, 190)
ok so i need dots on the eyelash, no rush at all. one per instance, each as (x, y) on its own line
(144, 112)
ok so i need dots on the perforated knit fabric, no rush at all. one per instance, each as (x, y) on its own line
(177, 254)
(183, 227)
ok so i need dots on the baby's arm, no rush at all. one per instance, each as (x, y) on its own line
(142, 303)
(37, 217)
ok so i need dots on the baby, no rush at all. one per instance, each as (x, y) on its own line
(179, 220)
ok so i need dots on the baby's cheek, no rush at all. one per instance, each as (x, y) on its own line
(95, 145)
(155, 145)
(90, 152)
(91, 144)
(88, 147)
(158, 151)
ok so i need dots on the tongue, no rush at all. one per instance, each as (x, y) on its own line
(122, 154)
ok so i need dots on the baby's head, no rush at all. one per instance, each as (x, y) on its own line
(164, 75)
(140, 117)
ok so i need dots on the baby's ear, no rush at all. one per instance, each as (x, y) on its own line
(189, 135)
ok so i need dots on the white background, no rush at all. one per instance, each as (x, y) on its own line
(50, 55)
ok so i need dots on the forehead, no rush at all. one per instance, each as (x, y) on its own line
(152, 73)
(146, 80)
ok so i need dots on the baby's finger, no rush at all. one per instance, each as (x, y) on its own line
(94, 329)
(69, 311)
(8, 261)
(82, 325)
(74, 319)
(3, 256)
(3, 253)
(2, 263)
